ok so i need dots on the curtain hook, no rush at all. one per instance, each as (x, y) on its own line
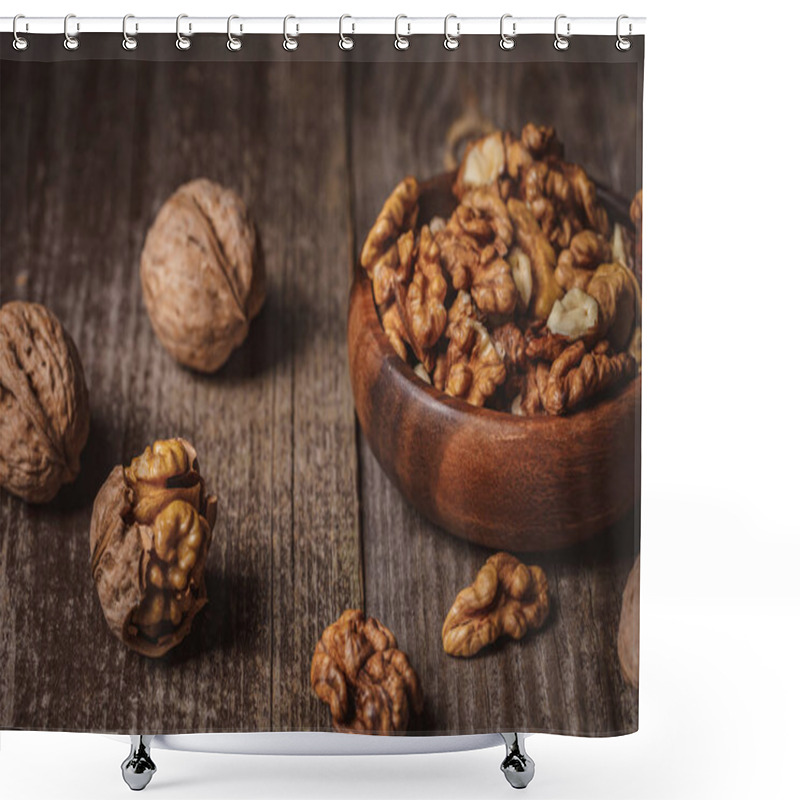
(234, 42)
(507, 42)
(623, 43)
(70, 42)
(20, 42)
(561, 42)
(128, 42)
(289, 42)
(401, 42)
(182, 42)
(346, 42)
(450, 41)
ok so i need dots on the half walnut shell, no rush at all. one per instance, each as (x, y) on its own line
(150, 533)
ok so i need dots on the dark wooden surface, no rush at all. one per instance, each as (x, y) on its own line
(308, 525)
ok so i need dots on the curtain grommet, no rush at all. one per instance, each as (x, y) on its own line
(290, 42)
(20, 43)
(623, 43)
(401, 42)
(507, 41)
(451, 41)
(128, 42)
(561, 42)
(182, 42)
(346, 43)
(234, 43)
(71, 42)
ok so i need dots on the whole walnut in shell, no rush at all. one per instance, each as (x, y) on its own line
(44, 405)
(150, 534)
(202, 274)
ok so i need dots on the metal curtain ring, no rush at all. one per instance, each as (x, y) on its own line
(507, 42)
(450, 41)
(401, 42)
(70, 42)
(289, 42)
(623, 43)
(234, 42)
(128, 42)
(182, 42)
(346, 42)
(20, 42)
(561, 42)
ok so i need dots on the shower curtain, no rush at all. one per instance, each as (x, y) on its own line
(320, 378)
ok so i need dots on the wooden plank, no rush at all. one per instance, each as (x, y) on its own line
(102, 149)
(319, 572)
(563, 678)
(64, 229)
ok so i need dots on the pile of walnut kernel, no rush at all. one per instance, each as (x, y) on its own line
(524, 300)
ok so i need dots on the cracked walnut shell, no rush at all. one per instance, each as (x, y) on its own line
(202, 275)
(150, 533)
(507, 598)
(369, 685)
(44, 404)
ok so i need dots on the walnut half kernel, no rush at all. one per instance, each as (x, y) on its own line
(575, 316)
(150, 534)
(507, 598)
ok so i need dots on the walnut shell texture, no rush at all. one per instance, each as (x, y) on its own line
(628, 636)
(44, 404)
(202, 275)
(150, 533)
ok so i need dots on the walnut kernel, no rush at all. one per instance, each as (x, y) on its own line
(484, 302)
(507, 598)
(576, 315)
(483, 163)
(368, 683)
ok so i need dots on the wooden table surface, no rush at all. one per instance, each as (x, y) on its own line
(308, 523)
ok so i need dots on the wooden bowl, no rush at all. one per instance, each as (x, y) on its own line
(503, 481)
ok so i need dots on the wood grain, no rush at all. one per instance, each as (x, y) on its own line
(309, 524)
(273, 429)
